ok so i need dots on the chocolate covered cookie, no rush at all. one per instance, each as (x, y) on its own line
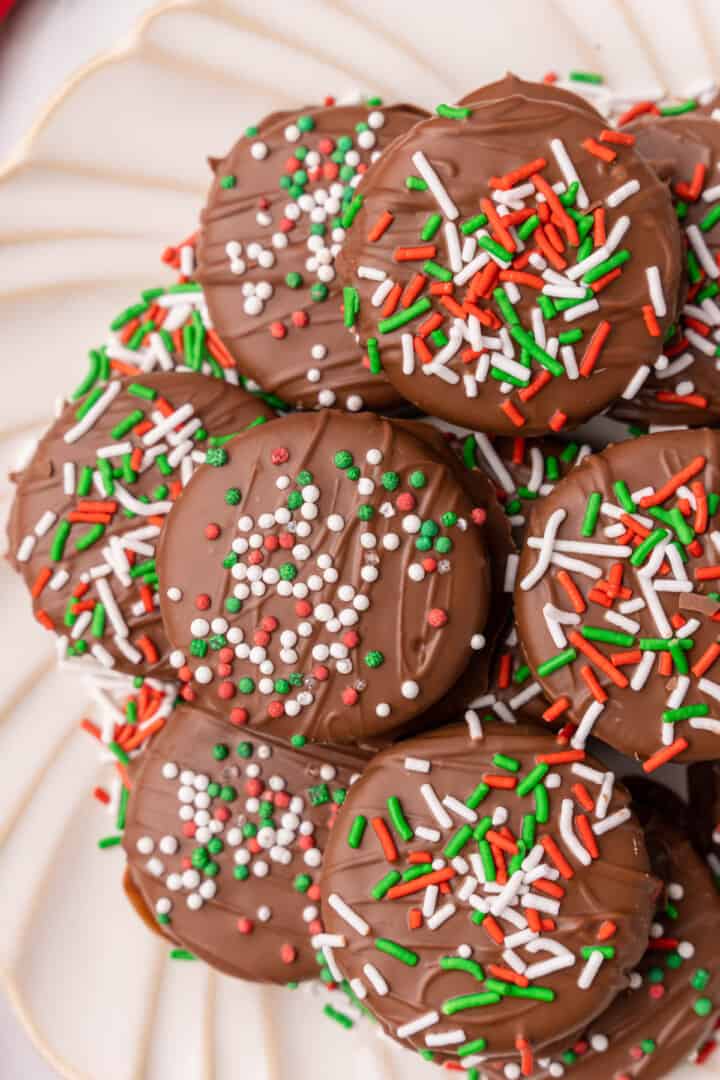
(684, 385)
(326, 577)
(275, 220)
(486, 892)
(92, 503)
(512, 265)
(225, 837)
(671, 1005)
(616, 598)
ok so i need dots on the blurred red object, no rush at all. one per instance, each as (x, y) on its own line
(5, 8)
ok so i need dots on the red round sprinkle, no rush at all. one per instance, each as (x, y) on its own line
(255, 557)
(287, 541)
(202, 601)
(656, 992)
(254, 788)
(321, 673)
(212, 531)
(313, 892)
(437, 617)
(306, 842)
(351, 638)
(269, 624)
(253, 846)
(224, 670)
(300, 318)
(429, 565)
(189, 828)
(479, 515)
(186, 861)
(270, 543)
(279, 455)
(326, 145)
(636, 1052)
(303, 608)
(405, 501)
(239, 716)
(245, 925)
(226, 690)
(288, 954)
(316, 927)
(278, 330)
(292, 165)
(261, 637)
(350, 696)
(263, 203)
(281, 799)
(184, 673)
(276, 709)
(187, 693)
(286, 225)
(221, 814)
(331, 170)
(225, 656)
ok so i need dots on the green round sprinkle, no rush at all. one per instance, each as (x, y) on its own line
(674, 961)
(282, 686)
(344, 143)
(220, 751)
(288, 571)
(305, 123)
(246, 685)
(211, 869)
(233, 605)
(429, 528)
(417, 479)
(216, 456)
(449, 518)
(647, 1046)
(228, 181)
(700, 979)
(353, 473)
(390, 480)
(215, 846)
(244, 749)
(295, 500)
(374, 659)
(213, 789)
(423, 543)
(304, 477)
(233, 496)
(199, 858)
(228, 793)
(343, 459)
(319, 291)
(241, 873)
(298, 740)
(703, 1006)
(443, 544)
(249, 830)
(365, 512)
(655, 975)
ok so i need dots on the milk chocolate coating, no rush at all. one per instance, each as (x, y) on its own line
(254, 210)
(243, 816)
(616, 886)
(401, 609)
(631, 718)
(675, 146)
(654, 1026)
(139, 905)
(496, 138)
(221, 409)
(511, 85)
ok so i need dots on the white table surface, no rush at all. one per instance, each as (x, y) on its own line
(42, 43)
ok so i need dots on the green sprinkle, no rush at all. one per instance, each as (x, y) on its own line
(373, 352)
(339, 1017)
(567, 656)
(400, 318)
(587, 77)
(474, 1047)
(405, 956)
(351, 211)
(592, 511)
(533, 778)
(608, 951)
(431, 226)
(672, 716)
(414, 183)
(488, 862)
(495, 249)
(677, 110)
(181, 954)
(528, 342)
(109, 841)
(507, 310)
(435, 270)
(122, 809)
(481, 792)
(351, 305)
(542, 804)
(398, 818)
(711, 218)
(473, 224)
(612, 637)
(59, 540)
(97, 626)
(456, 963)
(89, 538)
(700, 979)
(384, 885)
(642, 551)
(703, 1006)
(504, 762)
(88, 403)
(453, 112)
(458, 841)
(119, 753)
(624, 497)
(228, 181)
(469, 1001)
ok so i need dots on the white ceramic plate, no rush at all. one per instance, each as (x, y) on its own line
(112, 172)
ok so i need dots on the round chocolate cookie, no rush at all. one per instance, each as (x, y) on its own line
(510, 306)
(684, 384)
(274, 223)
(551, 92)
(671, 1005)
(616, 601)
(92, 502)
(328, 579)
(486, 892)
(225, 836)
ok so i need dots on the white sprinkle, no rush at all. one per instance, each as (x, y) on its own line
(431, 835)
(347, 914)
(508, 894)
(408, 354)
(445, 1038)
(452, 241)
(543, 562)
(587, 723)
(705, 724)
(657, 296)
(568, 170)
(612, 822)
(414, 1026)
(459, 808)
(642, 671)
(381, 293)
(625, 191)
(527, 694)
(69, 478)
(373, 976)
(705, 258)
(588, 973)
(107, 397)
(636, 382)
(441, 916)
(413, 764)
(435, 806)
(474, 725)
(433, 181)
(371, 273)
(566, 831)
(495, 463)
(358, 988)
(410, 689)
(580, 310)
